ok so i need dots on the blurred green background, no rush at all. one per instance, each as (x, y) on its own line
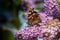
(12, 17)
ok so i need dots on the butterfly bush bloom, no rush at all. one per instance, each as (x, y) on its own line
(44, 17)
(51, 9)
(46, 30)
(26, 4)
(31, 3)
(50, 6)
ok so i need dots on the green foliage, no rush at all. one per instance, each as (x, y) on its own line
(7, 4)
(39, 6)
(16, 22)
(7, 35)
(58, 3)
(10, 4)
(17, 2)
(13, 6)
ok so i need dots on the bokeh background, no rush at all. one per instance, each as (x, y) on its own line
(12, 16)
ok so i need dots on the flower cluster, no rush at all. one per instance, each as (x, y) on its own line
(47, 30)
(50, 6)
(26, 4)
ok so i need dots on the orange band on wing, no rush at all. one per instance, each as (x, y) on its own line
(30, 17)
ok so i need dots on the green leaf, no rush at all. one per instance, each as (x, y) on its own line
(58, 3)
(17, 2)
(39, 6)
(7, 35)
(16, 22)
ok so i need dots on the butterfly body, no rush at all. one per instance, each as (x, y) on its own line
(34, 18)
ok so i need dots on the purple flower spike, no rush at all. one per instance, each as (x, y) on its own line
(50, 6)
(46, 31)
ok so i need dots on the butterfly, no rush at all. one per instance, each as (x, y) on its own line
(33, 17)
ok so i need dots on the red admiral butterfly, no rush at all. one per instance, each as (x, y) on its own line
(34, 17)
